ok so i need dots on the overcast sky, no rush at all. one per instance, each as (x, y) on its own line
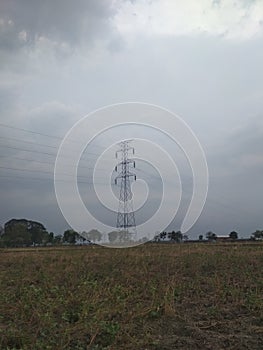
(202, 60)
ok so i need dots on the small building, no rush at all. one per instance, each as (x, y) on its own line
(223, 238)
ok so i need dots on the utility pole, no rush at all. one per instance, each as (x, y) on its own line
(125, 216)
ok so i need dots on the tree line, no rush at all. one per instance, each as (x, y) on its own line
(22, 232)
(25, 233)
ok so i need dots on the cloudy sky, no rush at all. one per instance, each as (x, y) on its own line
(202, 60)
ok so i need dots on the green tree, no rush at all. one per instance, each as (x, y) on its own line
(22, 232)
(163, 235)
(70, 236)
(113, 236)
(257, 234)
(156, 238)
(16, 236)
(233, 235)
(57, 239)
(211, 236)
(92, 235)
(175, 236)
(119, 237)
(51, 237)
(38, 232)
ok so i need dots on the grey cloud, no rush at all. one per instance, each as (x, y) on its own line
(42, 203)
(38, 31)
(236, 186)
(241, 151)
(53, 115)
(250, 136)
(8, 95)
(9, 36)
(215, 85)
(63, 20)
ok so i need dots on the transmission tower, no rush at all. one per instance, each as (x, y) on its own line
(125, 216)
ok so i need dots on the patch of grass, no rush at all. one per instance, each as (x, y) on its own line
(185, 296)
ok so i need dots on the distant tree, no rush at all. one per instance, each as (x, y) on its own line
(57, 239)
(143, 240)
(211, 236)
(113, 236)
(175, 236)
(38, 232)
(156, 238)
(17, 235)
(22, 232)
(92, 235)
(70, 236)
(80, 238)
(257, 235)
(51, 237)
(1, 237)
(201, 237)
(163, 235)
(233, 235)
(119, 237)
(179, 236)
(171, 236)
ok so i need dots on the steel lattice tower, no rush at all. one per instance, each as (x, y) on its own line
(125, 216)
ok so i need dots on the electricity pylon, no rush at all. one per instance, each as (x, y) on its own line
(125, 216)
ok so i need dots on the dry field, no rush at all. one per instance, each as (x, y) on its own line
(156, 296)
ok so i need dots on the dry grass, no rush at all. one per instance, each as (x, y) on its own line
(151, 297)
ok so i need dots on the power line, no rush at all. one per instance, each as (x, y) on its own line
(48, 172)
(48, 179)
(28, 150)
(45, 145)
(26, 170)
(51, 163)
(37, 144)
(28, 160)
(148, 174)
(30, 131)
(29, 142)
(52, 154)
(39, 133)
(40, 171)
(42, 152)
